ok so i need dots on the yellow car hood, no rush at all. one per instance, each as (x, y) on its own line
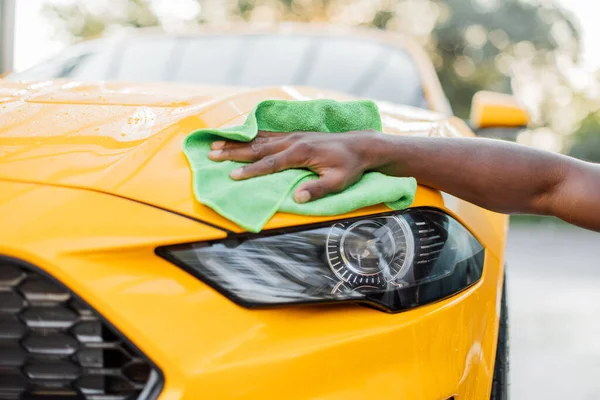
(125, 139)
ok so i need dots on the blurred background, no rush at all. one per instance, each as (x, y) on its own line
(543, 51)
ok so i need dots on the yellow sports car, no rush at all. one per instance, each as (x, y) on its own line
(115, 283)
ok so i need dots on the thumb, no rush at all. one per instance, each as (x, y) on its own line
(315, 189)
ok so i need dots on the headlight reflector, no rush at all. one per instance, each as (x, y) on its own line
(370, 251)
(394, 262)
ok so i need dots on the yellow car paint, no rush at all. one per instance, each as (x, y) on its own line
(490, 109)
(93, 180)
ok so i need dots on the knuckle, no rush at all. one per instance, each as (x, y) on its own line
(270, 162)
(225, 153)
(319, 189)
(294, 137)
(260, 139)
(256, 147)
(304, 148)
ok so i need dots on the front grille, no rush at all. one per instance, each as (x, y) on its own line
(54, 347)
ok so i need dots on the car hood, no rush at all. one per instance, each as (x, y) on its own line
(125, 139)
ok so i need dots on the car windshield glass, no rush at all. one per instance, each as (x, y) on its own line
(358, 67)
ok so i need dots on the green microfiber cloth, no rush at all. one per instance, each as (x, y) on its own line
(251, 203)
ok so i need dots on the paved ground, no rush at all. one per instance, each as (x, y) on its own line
(554, 300)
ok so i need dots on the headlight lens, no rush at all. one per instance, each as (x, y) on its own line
(394, 262)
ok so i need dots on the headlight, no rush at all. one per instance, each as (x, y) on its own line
(394, 261)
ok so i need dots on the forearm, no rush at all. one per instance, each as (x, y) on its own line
(493, 174)
(499, 176)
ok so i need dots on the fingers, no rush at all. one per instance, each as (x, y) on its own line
(261, 136)
(268, 165)
(331, 182)
(260, 147)
(246, 152)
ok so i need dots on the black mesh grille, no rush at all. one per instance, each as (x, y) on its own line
(53, 346)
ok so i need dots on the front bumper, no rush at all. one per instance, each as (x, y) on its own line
(208, 347)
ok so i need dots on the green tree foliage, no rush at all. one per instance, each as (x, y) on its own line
(471, 44)
(86, 19)
(585, 142)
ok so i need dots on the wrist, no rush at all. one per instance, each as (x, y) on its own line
(380, 151)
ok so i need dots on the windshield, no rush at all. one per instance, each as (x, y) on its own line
(358, 67)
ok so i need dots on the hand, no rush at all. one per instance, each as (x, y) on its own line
(340, 159)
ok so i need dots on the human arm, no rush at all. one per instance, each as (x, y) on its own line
(500, 176)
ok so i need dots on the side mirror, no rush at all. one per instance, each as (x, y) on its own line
(497, 115)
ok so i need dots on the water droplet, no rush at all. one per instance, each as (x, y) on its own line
(96, 129)
(123, 134)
